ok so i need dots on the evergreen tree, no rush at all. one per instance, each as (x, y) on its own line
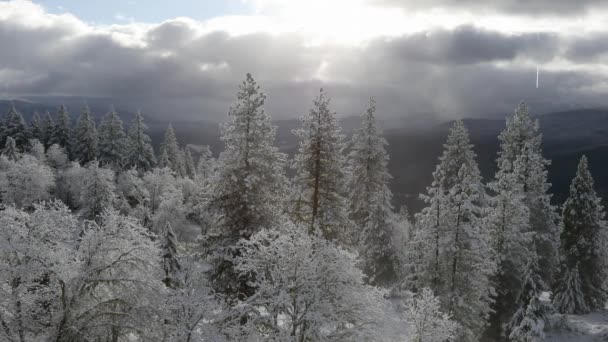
(508, 220)
(528, 322)
(583, 244)
(10, 149)
(521, 138)
(170, 148)
(85, 147)
(140, 153)
(170, 257)
(318, 199)
(188, 163)
(99, 192)
(250, 185)
(451, 239)
(112, 141)
(37, 128)
(47, 130)
(370, 201)
(15, 127)
(62, 131)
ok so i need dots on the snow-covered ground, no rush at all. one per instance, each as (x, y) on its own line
(581, 328)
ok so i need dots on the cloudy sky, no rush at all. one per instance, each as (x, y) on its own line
(432, 58)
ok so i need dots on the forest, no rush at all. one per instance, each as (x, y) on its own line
(104, 239)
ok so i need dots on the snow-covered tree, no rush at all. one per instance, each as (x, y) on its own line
(318, 198)
(307, 288)
(583, 243)
(84, 149)
(47, 129)
(528, 322)
(170, 153)
(62, 130)
(249, 188)
(25, 181)
(56, 157)
(429, 324)
(112, 142)
(10, 149)
(189, 168)
(99, 191)
(140, 153)
(451, 244)
(508, 221)
(170, 257)
(370, 201)
(37, 150)
(36, 128)
(522, 139)
(15, 127)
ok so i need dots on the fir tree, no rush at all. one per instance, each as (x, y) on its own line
(528, 322)
(99, 192)
(37, 128)
(62, 131)
(319, 193)
(170, 257)
(10, 149)
(112, 141)
(522, 139)
(47, 130)
(583, 244)
(508, 220)
(170, 148)
(250, 185)
(188, 163)
(370, 201)
(140, 153)
(85, 147)
(451, 239)
(15, 127)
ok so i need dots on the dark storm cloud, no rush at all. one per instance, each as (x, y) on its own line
(174, 70)
(520, 7)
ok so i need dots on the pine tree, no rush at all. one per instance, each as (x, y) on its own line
(140, 153)
(583, 244)
(99, 192)
(528, 322)
(112, 141)
(36, 128)
(170, 257)
(250, 185)
(10, 149)
(521, 138)
(85, 147)
(318, 199)
(47, 130)
(15, 127)
(62, 131)
(451, 239)
(188, 163)
(370, 201)
(170, 147)
(508, 220)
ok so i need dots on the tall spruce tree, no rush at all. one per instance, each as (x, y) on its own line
(170, 257)
(320, 181)
(170, 148)
(112, 141)
(189, 168)
(140, 153)
(508, 220)
(10, 149)
(250, 185)
(583, 244)
(521, 138)
(371, 211)
(62, 130)
(47, 130)
(452, 243)
(85, 147)
(15, 127)
(37, 128)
